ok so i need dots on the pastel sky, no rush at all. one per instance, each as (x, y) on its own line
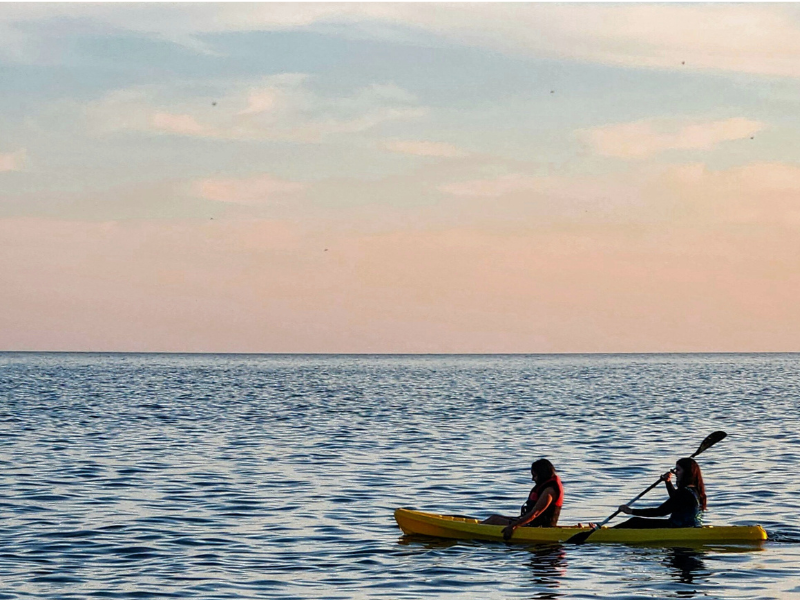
(408, 177)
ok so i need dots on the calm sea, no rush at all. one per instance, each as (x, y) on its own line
(266, 476)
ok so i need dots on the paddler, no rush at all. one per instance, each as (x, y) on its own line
(543, 505)
(685, 504)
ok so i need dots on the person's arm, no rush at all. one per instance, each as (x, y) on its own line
(547, 497)
(659, 511)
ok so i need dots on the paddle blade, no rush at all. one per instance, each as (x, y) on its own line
(581, 537)
(712, 439)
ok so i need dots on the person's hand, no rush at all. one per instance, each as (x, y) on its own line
(666, 476)
(624, 508)
(508, 530)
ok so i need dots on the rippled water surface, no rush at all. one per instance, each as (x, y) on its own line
(208, 476)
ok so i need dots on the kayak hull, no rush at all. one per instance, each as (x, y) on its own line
(414, 522)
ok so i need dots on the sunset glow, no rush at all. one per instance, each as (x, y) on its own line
(435, 178)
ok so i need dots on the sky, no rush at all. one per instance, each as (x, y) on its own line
(400, 178)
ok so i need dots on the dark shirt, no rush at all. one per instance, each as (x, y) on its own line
(682, 506)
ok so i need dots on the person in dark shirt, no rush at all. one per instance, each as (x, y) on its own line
(544, 503)
(684, 505)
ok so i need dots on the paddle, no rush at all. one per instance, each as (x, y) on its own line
(580, 538)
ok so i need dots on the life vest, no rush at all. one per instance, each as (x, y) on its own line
(549, 518)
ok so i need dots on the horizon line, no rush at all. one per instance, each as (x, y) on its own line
(389, 354)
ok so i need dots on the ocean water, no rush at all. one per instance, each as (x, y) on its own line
(266, 476)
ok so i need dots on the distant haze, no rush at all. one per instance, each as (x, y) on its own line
(435, 178)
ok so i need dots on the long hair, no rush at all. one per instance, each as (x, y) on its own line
(694, 478)
(544, 470)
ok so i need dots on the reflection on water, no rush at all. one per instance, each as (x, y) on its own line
(548, 566)
(428, 543)
(687, 567)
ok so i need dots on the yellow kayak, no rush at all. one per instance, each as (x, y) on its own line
(414, 522)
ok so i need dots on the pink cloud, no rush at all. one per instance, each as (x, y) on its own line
(425, 148)
(180, 124)
(760, 195)
(260, 101)
(13, 161)
(252, 191)
(642, 139)
(279, 107)
(493, 188)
